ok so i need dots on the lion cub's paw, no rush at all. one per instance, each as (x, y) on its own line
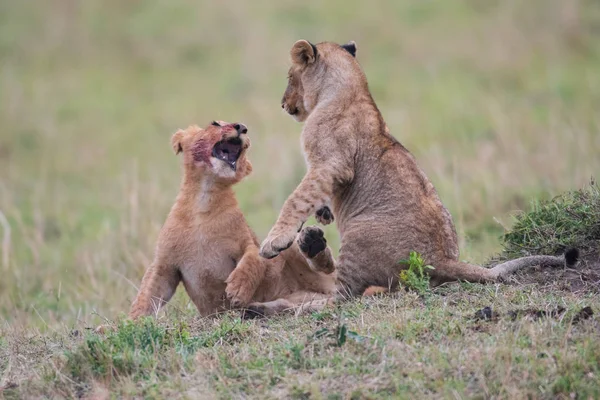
(276, 243)
(311, 241)
(240, 287)
(324, 216)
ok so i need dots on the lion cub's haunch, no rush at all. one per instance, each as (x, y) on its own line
(207, 244)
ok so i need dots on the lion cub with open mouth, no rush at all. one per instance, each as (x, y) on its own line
(207, 244)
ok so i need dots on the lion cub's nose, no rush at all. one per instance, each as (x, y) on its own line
(240, 128)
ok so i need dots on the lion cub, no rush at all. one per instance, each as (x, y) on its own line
(384, 204)
(207, 244)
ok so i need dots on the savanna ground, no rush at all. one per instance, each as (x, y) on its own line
(498, 100)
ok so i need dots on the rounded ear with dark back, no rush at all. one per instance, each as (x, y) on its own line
(303, 52)
(176, 141)
(350, 47)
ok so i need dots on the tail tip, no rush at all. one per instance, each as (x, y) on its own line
(571, 257)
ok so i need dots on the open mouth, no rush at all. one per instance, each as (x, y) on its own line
(228, 150)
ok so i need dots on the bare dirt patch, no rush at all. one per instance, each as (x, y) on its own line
(584, 278)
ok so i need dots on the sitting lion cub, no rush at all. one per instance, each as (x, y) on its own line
(384, 204)
(207, 243)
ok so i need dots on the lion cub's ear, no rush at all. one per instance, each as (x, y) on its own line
(176, 141)
(303, 52)
(350, 47)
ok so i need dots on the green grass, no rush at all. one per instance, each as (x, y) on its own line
(461, 340)
(415, 276)
(568, 220)
(498, 100)
(395, 346)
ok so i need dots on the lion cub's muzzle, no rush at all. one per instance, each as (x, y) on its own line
(233, 144)
(288, 109)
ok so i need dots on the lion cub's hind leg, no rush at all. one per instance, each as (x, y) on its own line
(298, 302)
(313, 245)
(158, 286)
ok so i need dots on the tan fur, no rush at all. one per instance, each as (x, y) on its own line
(375, 290)
(382, 201)
(207, 244)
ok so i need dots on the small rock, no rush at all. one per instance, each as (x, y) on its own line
(8, 385)
(485, 314)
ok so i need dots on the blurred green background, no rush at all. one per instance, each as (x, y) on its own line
(498, 99)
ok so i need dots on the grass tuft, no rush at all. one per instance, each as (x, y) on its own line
(140, 349)
(569, 220)
(134, 349)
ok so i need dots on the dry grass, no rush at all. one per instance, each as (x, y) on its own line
(497, 99)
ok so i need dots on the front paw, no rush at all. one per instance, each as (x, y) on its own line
(240, 288)
(324, 216)
(276, 243)
(311, 241)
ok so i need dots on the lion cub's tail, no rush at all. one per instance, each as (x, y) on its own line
(474, 273)
(568, 259)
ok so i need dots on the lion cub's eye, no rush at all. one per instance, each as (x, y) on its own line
(215, 123)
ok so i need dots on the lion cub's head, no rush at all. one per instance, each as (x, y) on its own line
(317, 68)
(218, 150)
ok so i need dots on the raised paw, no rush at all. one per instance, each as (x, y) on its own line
(240, 287)
(311, 241)
(276, 243)
(324, 216)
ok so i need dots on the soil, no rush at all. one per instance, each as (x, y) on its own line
(488, 314)
(583, 278)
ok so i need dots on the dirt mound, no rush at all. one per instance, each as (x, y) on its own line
(570, 220)
(584, 278)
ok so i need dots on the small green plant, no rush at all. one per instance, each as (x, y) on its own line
(339, 335)
(415, 276)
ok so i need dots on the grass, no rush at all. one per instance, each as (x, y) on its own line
(461, 340)
(568, 220)
(415, 276)
(394, 346)
(497, 100)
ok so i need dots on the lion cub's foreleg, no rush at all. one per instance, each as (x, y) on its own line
(312, 194)
(158, 286)
(246, 277)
